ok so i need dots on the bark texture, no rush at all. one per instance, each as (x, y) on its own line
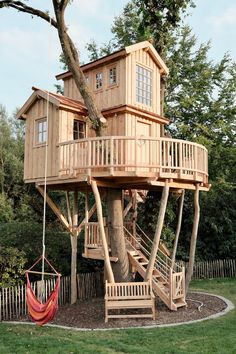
(157, 236)
(116, 234)
(193, 238)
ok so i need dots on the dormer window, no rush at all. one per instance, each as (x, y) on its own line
(143, 85)
(41, 131)
(79, 129)
(99, 80)
(112, 76)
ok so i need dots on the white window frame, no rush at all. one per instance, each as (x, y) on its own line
(41, 131)
(144, 85)
(98, 80)
(112, 75)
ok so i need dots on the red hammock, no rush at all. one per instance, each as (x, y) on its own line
(42, 313)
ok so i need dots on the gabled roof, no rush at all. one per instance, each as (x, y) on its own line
(123, 53)
(54, 98)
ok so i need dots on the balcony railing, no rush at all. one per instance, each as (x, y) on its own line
(163, 157)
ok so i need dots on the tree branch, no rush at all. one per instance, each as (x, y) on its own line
(69, 50)
(20, 6)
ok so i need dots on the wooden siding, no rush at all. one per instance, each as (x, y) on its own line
(35, 153)
(107, 96)
(143, 58)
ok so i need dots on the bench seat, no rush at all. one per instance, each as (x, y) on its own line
(126, 296)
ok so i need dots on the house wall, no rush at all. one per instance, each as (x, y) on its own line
(107, 96)
(125, 90)
(34, 162)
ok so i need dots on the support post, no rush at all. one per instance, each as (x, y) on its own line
(103, 235)
(157, 236)
(74, 242)
(180, 215)
(193, 237)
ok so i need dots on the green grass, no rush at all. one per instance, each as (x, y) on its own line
(208, 337)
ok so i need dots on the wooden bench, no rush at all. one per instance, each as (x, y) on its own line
(135, 295)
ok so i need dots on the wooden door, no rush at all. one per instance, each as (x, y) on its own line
(143, 146)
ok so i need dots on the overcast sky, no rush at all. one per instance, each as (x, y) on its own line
(29, 49)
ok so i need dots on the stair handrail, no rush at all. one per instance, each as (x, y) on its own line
(160, 264)
(175, 266)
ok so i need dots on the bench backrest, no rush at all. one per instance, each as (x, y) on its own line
(128, 291)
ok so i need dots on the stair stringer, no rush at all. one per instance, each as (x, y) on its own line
(159, 288)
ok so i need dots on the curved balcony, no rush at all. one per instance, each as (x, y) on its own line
(134, 156)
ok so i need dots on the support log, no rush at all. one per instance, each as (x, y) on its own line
(74, 242)
(102, 231)
(180, 215)
(193, 237)
(157, 236)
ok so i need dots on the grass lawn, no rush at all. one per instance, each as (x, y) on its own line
(208, 337)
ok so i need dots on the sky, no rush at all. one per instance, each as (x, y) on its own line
(29, 48)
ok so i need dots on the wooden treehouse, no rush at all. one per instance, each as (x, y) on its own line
(132, 155)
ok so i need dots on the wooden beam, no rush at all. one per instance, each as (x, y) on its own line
(102, 230)
(56, 210)
(74, 243)
(193, 237)
(157, 236)
(68, 208)
(180, 214)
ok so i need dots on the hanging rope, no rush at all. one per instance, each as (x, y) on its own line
(46, 159)
(42, 312)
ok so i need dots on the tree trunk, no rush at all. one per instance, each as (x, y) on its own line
(116, 235)
(74, 241)
(193, 238)
(157, 236)
(180, 214)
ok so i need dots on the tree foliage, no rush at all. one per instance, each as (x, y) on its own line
(12, 263)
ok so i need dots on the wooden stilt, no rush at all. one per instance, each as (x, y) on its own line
(86, 223)
(68, 208)
(180, 214)
(74, 242)
(103, 235)
(157, 236)
(193, 237)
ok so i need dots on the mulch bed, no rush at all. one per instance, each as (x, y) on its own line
(90, 313)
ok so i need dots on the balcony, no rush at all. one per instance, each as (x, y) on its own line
(109, 156)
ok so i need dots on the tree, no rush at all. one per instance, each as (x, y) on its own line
(71, 56)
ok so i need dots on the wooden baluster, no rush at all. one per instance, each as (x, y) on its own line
(111, 155)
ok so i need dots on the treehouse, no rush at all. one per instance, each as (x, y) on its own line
(132, 155)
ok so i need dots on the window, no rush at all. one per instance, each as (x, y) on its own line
(112, 76)
(143, 85)
(98, 80)
(41, 131)
(79, 129)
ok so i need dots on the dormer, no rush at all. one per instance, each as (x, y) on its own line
(130, 76)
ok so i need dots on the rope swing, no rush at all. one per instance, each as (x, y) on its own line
(43, 312)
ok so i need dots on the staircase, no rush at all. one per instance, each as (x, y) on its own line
(168, 280)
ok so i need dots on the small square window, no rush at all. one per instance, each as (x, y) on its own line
(79, 130)
(99, 80)
(112, 76)
(41, 131)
